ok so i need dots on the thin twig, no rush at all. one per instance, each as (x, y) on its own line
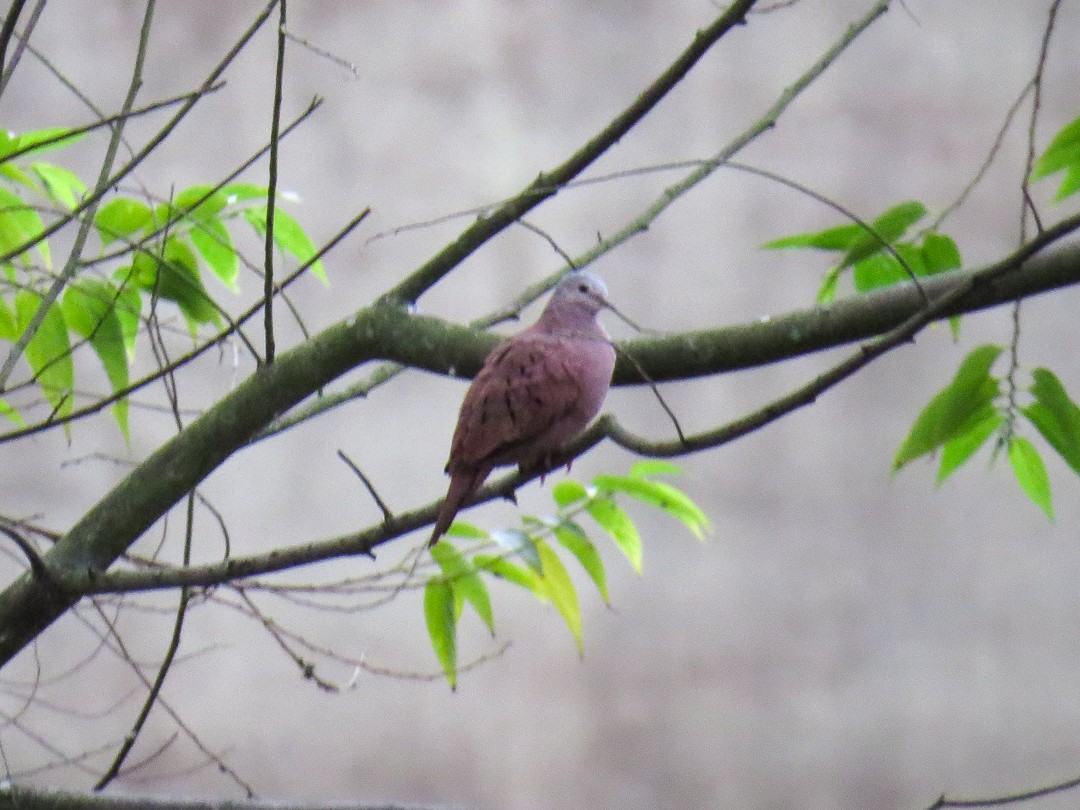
(271, 190)
(988, 161)
(1001, 801)
(222, 766)
(111, 120)
(655, 389)
(307, 669)
(387, 514)
(821, 198)
(547, 184)
(1027, 205)
(8, 29)
(37, 565)
(166, 664)
(337, 60)
(524, 223)
(9, 68)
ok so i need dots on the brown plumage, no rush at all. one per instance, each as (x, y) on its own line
(535, 391)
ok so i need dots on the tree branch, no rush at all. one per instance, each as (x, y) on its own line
(699, 171)
(27, 798)
(548, 184)
(894, 313)
(271, 190)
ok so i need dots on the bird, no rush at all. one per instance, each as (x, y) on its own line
(536, 390)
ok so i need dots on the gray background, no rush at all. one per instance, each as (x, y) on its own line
(845, 639)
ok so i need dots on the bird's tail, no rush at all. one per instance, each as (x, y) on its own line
(462, 485)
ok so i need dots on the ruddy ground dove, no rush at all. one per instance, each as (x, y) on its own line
(535, 391)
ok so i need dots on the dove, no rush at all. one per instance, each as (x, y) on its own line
(535, 391)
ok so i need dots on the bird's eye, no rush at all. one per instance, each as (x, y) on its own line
(583, 288)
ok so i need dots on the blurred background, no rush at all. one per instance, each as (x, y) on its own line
(845, 639)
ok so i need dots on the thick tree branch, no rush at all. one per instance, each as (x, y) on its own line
(460, 351)
(28, 606)
(28, 798)
(771, 339)
(894, 314)
(77, 563)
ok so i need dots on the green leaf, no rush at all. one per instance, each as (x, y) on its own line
(120, 217)
(953, 410)
(888, 227)
(573, 539)
(19, 224)
(960, 448)
(568, 492)
(619, 526)
(441, 626)
(560, 590)
(9, 412)
(1030, 473)
(835, 239)
(243, 192)
(200, 203)
(519, 575)
(288, 236)
(520, 544)
(466, 583)
(14, 173)
(654, 466)
(1055, 416)
(128, 307)
(48, 352)
(1062, 153)
(1070, 184)
(663, 496)
(940, 253)
(827, 291)
(62, 185)
(89, 308)
(11, 143)
(878, 270)
(459, 528)
(9, 322)
(179, 281)
(211, 238)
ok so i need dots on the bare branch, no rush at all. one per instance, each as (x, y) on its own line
(387, 514)
(28, 798)
(9, 68)
(548, 184)
(37, 565)
(163, 670)
(895, 313)
(271, 190)
(1012, 798)
(8, 28)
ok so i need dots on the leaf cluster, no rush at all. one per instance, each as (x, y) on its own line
(527, 557)
(149, 252)
(976, 405)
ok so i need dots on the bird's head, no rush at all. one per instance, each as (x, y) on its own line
(580, 290)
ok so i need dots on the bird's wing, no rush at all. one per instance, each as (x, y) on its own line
(525, 387)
